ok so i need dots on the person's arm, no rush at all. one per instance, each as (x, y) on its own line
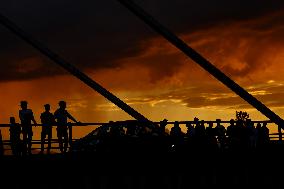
(71, 117)
(33, 118)
(20, 128)
(41, 117)
(53, 119)
(55, 115)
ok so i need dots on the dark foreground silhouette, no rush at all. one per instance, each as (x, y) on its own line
(132, 154)
(128, 155)
(134, 137)
(156, 170)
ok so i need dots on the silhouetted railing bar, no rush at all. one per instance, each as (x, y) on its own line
(70, 137)
(73, 124)
(52, 141)
(8, 143)
(1, 144)
(275, 134)
(275, 137)
(35, 148)
(117, 123)
(55, 141)
(200, 60)
(184, 122)
(70, 68)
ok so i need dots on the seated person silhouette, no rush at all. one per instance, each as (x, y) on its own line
(47, 120)
(26, 116)
(61, 116)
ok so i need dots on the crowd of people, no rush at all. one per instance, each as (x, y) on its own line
(133, 136)
(23, 145)
(239, 134)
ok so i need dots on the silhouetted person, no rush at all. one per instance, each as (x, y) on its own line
(190, 134)
(162, 128)
(200, 134)
(121, 131)
(242, 136)
(230, 128)
(251, 132)
(258, 131)
(61, 116)
(265, 131)
(102, 138)
(114, 137)
(47, 120)
(131, 129)
(177, 136)
(264, 136)
(233, 133)
(211, 137)
(15, 137)
(26, 116)
(176, 130)
(199, 128)
(221, 133)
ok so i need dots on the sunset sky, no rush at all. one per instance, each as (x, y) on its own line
(242, 38)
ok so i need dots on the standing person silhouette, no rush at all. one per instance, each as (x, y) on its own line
(47, 120)
(61, 115)
(26, 116)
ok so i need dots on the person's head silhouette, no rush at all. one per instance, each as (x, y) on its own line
(176, 124)
(62, 104)
(210, 124)
(24, 105)
(195, 119)
(264, 124)
(163, 123)
(218, 121)
(188, 125)
(47, 107)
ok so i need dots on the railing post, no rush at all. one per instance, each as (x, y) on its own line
(70, 137)
(1, 145)
(280, 133)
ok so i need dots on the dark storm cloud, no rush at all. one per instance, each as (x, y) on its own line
(94, 34)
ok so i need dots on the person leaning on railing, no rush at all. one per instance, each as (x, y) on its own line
(61, 116)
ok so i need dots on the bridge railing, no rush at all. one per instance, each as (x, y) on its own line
(276, 136)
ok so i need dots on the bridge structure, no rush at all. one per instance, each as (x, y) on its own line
(168, 35)
(238, 171)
